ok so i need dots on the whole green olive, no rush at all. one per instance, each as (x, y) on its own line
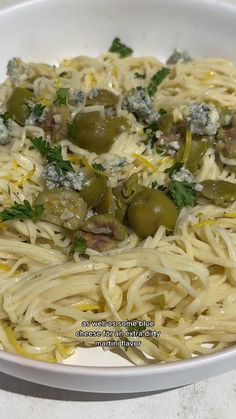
(219, 191)
(150, 209)
(94, 187)
(102, 97)
(96, 132)
(17, 104)
(63, 207)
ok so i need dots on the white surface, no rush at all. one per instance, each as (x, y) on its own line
(193, 25)
(210, 399)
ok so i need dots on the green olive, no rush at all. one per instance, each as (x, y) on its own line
(165, 123)
(102, 97)
(197, 151)
(63, 207)
(230, 143)
(94, 188)
(150, 209)
(17, 104)
(120, 203)
(107, 204)
(219, 191)
(96, 132)
(105, 224)
(130, 186)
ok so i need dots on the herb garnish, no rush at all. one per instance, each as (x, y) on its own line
(119, 48)
(37, 110)
(63, 74)
(99, 167)
(80, 245)
(182, 193)
(22, 211)
(71, 129)
(52, 154)
(62, 94)
(157, 79)
(173, 169)
(140, 76)
(5, 117)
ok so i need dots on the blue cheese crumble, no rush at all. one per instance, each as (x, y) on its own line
(139, 103)
(16, 69)
(57, 179)
(202, 119)
(4, 133)
(76, 98)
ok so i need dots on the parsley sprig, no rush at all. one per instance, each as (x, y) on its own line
(157, 79)
(62, 94)
(182, 193)
(80, 245)
(52, 154)
(121, 49)
(22, 211)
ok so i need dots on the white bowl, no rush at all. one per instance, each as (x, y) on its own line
(48, 30)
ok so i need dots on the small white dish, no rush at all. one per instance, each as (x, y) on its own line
(48, 30)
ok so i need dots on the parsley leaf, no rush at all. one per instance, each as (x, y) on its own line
(38, 110)
(173, 169)
(52, 154)
(119, 48)
(5, 117)
(140, 76)
(80, 245)
(63, 74)
(182, 193)
(62, 94)
(71, 129)
(22, 211)
(157, 79)
(162, 111)
(137, 327)
(154, 185)
(99, 167)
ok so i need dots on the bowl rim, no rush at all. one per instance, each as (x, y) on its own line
(228, 353)
(161, 368)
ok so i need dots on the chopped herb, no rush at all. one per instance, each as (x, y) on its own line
(63, 74)
(173, 169)
(162, 188)
(5, 117)
(154, 185)
(182, 193)
(119, 48)
(157, 79)
(37, 110)
(137, 327)
(162, 111)
(80, 246)
(71, 129)
(140, 76)
(151, 128)
(99, 167)
(62, 94)
(52, 154)
(22, 211)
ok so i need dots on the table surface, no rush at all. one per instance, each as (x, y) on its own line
(210, 399)
(214, 398)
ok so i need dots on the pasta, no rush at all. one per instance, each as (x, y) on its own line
(180, 275)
